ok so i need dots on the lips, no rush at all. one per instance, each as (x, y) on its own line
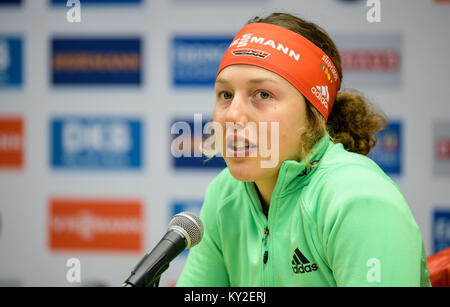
(238, 142)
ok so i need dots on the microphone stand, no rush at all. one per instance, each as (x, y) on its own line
(128, 285)
(156, 283)
(149, 278)
(147, 272)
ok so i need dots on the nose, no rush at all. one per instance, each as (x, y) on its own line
(238, 110)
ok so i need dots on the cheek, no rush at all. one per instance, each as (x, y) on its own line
(219, 114)
(218, 117)
(220, 134)
(215, 114)
(289, 137)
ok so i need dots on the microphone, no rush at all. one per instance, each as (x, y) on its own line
(185, 231)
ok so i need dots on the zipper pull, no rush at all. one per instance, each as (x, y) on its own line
(266, 252)
(266, 233)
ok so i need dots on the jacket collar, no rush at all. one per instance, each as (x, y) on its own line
(294, 174)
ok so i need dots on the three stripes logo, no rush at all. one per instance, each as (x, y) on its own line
(300, 264)
(321, 92)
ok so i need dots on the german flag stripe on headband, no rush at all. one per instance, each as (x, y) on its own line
(289, 55)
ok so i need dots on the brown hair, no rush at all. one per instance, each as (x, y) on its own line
(353, 120)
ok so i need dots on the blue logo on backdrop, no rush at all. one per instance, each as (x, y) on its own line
(388, 151)
(195, 60)
(96, 143)
(10, 61)
(441, 229)
(96, 61)
(193, 206)
(10, 2)
(189, 134)
(83, 2)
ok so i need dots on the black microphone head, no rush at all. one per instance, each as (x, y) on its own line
(189, 225)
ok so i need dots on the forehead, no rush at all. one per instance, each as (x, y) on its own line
(248, 74)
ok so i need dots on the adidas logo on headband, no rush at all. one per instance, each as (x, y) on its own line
(321, 92)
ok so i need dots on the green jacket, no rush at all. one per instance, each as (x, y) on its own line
(343, 222)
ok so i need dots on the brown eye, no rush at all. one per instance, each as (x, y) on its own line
(263, 95)
(225, 95)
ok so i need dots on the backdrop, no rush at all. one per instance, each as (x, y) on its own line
(88, 96)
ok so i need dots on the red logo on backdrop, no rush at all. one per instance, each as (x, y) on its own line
(370, 60)
(442, 147)
(11, 142)
(95, 225)
(442, 1)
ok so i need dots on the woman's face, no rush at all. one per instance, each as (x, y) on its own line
(269, 116)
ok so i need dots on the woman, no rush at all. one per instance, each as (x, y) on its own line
(323, 214)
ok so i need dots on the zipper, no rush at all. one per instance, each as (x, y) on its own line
(266, 250)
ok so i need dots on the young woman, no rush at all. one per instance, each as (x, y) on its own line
(323, 214)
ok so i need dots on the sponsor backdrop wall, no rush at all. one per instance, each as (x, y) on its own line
(87, 178)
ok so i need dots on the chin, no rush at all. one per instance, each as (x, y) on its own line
(242, 177)
(245, 170)
(240, 170)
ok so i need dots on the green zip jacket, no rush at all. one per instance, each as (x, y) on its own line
(343, 222)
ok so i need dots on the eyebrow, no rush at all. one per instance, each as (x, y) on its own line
(252, 81)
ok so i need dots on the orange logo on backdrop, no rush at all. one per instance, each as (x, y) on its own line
(97, 225)
(11, 142)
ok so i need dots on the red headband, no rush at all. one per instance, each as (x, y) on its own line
(289, 55)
